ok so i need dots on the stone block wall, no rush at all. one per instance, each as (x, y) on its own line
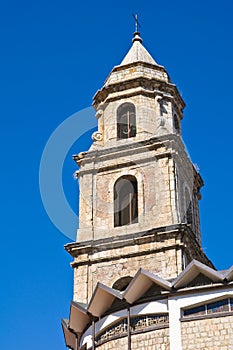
(208, 334)
(156, 193)
(108, 272)
(154, 340)
(157, 254)
(162, 181)
(120, 343)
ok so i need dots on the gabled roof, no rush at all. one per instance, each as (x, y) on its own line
(228, 275)
(102, 299)
(192, 271)
(137, 53)
(79, 317)
(141, 283)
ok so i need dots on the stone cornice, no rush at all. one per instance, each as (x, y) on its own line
(138, 63)
(154, 235)
(150, 87)
(172, 144)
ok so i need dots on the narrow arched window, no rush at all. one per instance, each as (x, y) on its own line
(126, 121)
(125, 201)
(189, 211)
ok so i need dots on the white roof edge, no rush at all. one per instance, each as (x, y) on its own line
(229, 274)
(157, 280)
(199, 268)
(149, 280)
(70, 337)
(111, 295)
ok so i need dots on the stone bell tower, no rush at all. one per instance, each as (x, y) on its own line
(139, 190)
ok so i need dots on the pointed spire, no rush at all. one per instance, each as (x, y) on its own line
(137, 52)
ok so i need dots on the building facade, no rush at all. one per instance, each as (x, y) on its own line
(141, 277)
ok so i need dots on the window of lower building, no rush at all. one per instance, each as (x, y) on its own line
(220, 306)
(195, 311)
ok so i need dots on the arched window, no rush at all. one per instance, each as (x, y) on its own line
(189, 211)
(125, 201)
(126, 121)
(122, 283)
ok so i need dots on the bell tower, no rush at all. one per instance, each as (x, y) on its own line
(139, 190)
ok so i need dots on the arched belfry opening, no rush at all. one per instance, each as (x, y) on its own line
(126, 121)
(125, 201)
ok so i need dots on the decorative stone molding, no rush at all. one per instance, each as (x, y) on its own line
(97, 136)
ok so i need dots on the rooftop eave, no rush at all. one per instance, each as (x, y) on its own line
(135, 64)
(102, 293)
(228, 275)
(141, 283)
(192, 271)
(79, 317)
(70, 337)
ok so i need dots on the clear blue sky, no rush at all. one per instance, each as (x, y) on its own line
(54, 56)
